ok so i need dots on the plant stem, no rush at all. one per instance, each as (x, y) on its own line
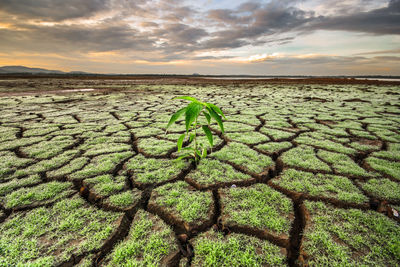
(195, 141)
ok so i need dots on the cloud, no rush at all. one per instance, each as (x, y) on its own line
(391, 51)
(169, 30)
(53, 10)
(379, 21)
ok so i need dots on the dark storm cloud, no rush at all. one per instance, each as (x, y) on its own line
(74, 38)
(53, 10)
(250, 22)
(379, 21)
(175, 30)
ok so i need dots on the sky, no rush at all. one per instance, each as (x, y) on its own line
(265, 37)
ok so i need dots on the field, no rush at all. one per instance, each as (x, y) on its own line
(305, 174)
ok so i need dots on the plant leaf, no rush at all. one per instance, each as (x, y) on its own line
(191, 137)
(180, 141)
(204, 154)
(189, 98)
(216, 109)
(176, 116)
(208, 117)
(198, 152)
(217, 118)
(182, 157)
(192, 112)
(208, 134)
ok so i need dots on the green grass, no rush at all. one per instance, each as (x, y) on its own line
(51, 191)
(101, 165)
(10, 162)
(144, 246)
(55, 146)
(213, 249)
(106, 185)
(393, 152)
(125, 199)
(154, 146)
(149, 171)
(304, 157)
(272, 147)
(13, 184)
(257, 206)
(325, 144)
(247, 137)
(338, 237)
(237, 127)
(72, 226)
(277, 135)
(323, 185)
(383, 188)
(343, 164)
(48, 149)
(49, 164)
(188, 205)
(73, 166)
(210, 171)
(391, 168)
(244, 156)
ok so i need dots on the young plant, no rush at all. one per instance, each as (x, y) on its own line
(192, 112)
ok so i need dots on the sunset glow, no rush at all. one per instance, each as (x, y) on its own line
(270, 37)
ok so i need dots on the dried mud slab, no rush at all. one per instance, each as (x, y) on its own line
(349, 237)
(149, 171)
(211, 174)
(55, 235)
(150, 242)
(257, 210)
(213, 249)
(320, 186)
(182, 206)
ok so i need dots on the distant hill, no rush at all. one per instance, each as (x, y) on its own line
(23, 69)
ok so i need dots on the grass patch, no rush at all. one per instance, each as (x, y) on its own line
(391, 168)
(213, 249)
(272, 147)
(50, 236)
(51, 191)
(383, 189)
(350, 237)
(304, 157)
(154, 146)
(244, 156)
(125, 199)
(149, 242)
(101, 165)
(257, 206)
(148, 171)
(247, 137)
(343, 163)
(323, 185)
(211, 171)
(188, 205)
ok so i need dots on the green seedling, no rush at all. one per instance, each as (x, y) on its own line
(192, 112)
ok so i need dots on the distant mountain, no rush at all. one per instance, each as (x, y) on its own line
(23, 69)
